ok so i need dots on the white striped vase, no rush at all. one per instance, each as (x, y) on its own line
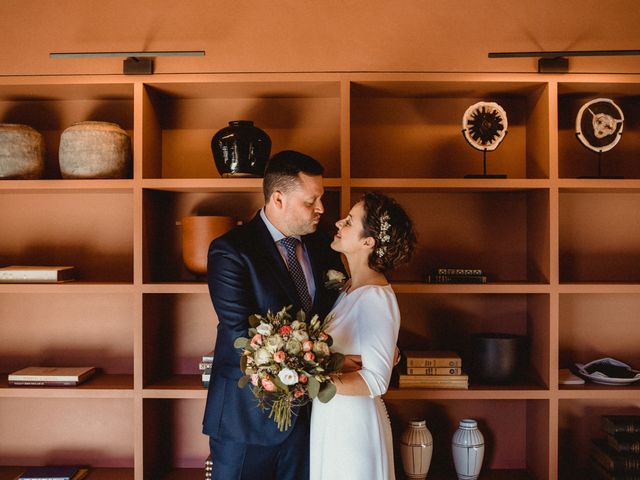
(416, 448)
(468, 450)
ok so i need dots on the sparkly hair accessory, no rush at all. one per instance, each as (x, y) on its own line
(383, 236)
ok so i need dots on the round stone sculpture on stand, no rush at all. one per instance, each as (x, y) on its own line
(21, 152)
(416, 449)
(467, 447)
(95, 150)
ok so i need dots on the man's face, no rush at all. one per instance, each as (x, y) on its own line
(302, 206)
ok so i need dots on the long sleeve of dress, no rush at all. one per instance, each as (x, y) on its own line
(378, 322)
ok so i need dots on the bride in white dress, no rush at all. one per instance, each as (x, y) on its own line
(351, 434)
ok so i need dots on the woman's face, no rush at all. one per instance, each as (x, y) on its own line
(349, 237)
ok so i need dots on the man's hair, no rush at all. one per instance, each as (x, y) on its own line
(281, 173)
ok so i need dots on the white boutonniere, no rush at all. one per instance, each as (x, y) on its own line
(334, 280)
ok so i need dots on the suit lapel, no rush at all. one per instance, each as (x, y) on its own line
(274, 259)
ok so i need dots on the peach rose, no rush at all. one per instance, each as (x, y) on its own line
(309, 357)
(279, 356)
(285, 330)
(307, 345)
(268, 385)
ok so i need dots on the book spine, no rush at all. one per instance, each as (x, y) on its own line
(456, 279)
(43, 378)
(622, 443)
(621, 424)
(459, 271)
(443, 371)
(43, 383)
(434, 362)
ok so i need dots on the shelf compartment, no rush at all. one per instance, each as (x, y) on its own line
(163, 238)
(448, 322)
(181, 119)
(578, 424)
(516, 433)
(83, 330)
(98, 432)
(420, 123)
(462, 230)
(50, 109)
(574, 159)
(177, 330)
(598, 235)
(594, 326)
(88, 231)
(174, 443)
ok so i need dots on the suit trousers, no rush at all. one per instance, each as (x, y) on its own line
(288, 460)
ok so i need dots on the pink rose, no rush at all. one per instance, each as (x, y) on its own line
(303, 378)
(309, 356)
(286, 330)
(268, 385)
(279, 357)
(254, 379)
(298, 393)
(324, 337)
(256, 341)
(307, 346)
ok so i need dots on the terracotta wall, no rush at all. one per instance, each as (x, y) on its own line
(315, 35)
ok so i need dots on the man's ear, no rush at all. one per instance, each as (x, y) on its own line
(277, 199)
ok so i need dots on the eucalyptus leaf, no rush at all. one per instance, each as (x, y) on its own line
(243, 363)
(241, 342)
(301, 316)
(243, 381)
(313, 387)
(254, 320)
(327, 392)
(278, 383)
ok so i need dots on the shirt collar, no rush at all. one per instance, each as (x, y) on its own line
(276, 234)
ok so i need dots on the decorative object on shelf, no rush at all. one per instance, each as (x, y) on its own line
(198, 231)
(599, 125)
(416, 449)
(433, 369)
(21, 152)
(95, 150)
(36, 274)
(566, 377)
(608, 371)
(241, 150)
(484, 126)
(618, 454)
(457, 275)
(467, 447)
(496, 357)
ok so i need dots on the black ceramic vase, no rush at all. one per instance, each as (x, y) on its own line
(496, 357)
(241, 149)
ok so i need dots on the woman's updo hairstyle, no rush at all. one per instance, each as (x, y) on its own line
(391, 228)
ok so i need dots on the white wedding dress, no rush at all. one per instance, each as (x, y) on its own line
(351, 435)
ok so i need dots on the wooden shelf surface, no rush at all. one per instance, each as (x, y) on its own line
(11, 473)
(450, 184)
(100, 386)
(67, 186)
(213, 185)
(176, 386)
(596, 391)
(68, 287)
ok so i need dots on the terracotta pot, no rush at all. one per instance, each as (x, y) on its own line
(21, 152)
(197, 234)
(95, 150)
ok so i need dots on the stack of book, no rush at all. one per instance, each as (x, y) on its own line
(208, 468)
(54, 473)
(433, 369)
(205, 368)
(618, 456)
(457, 275)
(51, 376)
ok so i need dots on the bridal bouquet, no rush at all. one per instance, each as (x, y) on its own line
(288, 362)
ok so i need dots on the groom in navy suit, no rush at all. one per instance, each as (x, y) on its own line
(276, 259)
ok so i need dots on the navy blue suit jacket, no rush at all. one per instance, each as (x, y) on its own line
(247, 275)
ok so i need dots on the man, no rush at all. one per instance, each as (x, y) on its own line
(273, 261)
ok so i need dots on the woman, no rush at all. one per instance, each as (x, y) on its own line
(351, 434)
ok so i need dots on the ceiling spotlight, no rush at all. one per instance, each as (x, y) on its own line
(135, 63)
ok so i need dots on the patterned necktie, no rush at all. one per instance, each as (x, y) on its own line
(295, 270)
